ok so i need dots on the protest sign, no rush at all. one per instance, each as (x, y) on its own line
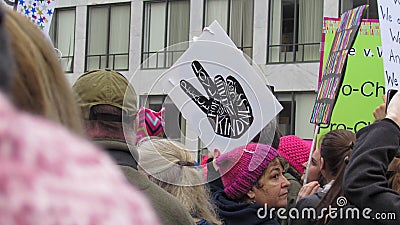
(39, 12)
(335, 65)
(333, 72)
(218, 92)
(389, 18)
(12, 4)
(363, 86)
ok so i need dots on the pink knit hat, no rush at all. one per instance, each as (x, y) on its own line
(150, 123)
(295, 150)
(50, 176)
(243, 166)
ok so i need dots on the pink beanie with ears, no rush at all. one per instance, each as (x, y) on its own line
(150, 123)
(243, 166)
(295, 150)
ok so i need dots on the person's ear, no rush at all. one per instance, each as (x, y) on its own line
(322, 164)
(251, 194)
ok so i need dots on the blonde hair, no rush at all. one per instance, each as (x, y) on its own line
(39, 85)
(171, 166)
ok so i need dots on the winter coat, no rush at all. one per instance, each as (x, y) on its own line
(350, 215)
(293, 191)
(203, 222)
(234, 213)
(365, 183)
(304, 205)
(168, 208)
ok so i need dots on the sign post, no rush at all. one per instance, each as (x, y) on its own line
(334, 71)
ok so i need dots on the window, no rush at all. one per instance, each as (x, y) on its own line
(286, 125)
(236, 17)
(372, 10)
(62, 33)
(153, 102)
(165, 32)
(108, 37)
(175, 124)
(295, 28)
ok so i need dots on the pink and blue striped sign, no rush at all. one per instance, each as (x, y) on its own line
(335, 66)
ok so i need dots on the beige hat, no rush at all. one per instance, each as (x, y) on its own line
(105, 87)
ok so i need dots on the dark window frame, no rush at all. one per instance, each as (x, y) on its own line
(368, 11)
(241, 47)
(295, 46)
(144, 56)
(55, 37)
(107, 54)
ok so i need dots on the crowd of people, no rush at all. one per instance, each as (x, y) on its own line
(88, 155)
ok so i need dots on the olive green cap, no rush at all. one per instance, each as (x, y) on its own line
(105, 87)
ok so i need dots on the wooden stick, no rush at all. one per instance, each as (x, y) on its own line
(311, 153)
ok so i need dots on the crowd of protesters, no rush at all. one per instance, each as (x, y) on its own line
(87, 155)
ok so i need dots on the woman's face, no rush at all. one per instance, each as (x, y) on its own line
(272, 187)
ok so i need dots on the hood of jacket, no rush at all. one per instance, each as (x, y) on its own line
(123, 153)
(234, 213)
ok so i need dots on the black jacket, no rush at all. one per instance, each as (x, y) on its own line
(234, 213)
(365, 182)
(308, 207)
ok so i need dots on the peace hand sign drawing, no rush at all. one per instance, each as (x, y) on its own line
(226, 106)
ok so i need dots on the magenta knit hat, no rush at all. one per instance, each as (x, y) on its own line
(295, 150)
(150, 123)
(243, 166)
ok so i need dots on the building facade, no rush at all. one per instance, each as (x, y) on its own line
(143, 38)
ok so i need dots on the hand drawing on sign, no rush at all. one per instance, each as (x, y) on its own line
(227, 107)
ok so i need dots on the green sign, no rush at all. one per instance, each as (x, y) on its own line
(363, 85)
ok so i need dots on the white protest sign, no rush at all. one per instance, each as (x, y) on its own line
(389, 19)
(218, 92)
(40, 12)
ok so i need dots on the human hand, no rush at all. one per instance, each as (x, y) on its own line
(380, 111)
(217, 153)
(393, 110)
(226, 106)
(211, 157)
(308, 189)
